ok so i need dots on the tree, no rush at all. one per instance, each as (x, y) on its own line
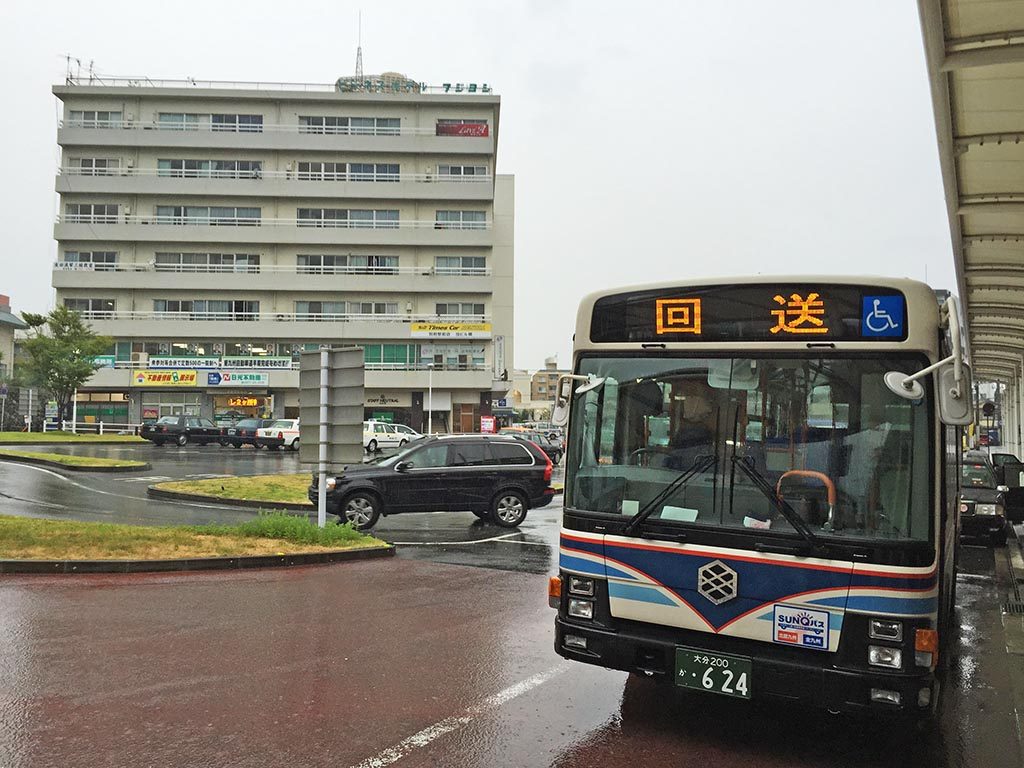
(60, 354)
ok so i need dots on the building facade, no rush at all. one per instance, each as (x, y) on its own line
(9, 323)
(544, 382)
(217, 231)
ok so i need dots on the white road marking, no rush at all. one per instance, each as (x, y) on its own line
(153, 479)
(433, 732)
(68, 480)
(453, 543)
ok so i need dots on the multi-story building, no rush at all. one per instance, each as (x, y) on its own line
(215, 231)
(9, 323)
(544, 381)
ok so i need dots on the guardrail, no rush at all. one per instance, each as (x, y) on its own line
(212, 221)
(255, 269)
(424, 178)
(93, 427)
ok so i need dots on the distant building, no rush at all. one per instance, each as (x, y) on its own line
(217, 231)
(543, 383)
(9, 323)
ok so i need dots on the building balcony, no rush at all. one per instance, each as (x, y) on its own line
(272, 138)
(291, 326)
(171, 229)
(188, 277)
(275, 184)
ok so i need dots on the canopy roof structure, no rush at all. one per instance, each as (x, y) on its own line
(975, 55)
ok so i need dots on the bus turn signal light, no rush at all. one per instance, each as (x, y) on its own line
(554, 591)
(926, 640)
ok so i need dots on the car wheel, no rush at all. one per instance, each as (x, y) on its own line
(158, 443)
(295, 444)
(371, 446)
(235, 445)
(402, 443)
(508, 509)
(182, 439)
(999, 539)
(361, 509)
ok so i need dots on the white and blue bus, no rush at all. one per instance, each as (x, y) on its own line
(760, 493)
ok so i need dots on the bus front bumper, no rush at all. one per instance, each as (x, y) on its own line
(815, 685)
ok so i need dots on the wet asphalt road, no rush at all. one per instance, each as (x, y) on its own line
(413, 661)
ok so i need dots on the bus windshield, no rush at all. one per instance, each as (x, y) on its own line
(823, 434)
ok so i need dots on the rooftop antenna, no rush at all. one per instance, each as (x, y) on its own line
(359, 49)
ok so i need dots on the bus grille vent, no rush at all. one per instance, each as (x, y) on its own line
(1014, 607)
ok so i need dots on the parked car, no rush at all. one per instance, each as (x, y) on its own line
(280, 432)
(496, 478)
(552, 448)
(381, 434)
(982, 503)
(181, 430)
(243, 432)
(229, 417)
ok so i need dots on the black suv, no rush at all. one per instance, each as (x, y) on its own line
(497, 478)
(982, 503)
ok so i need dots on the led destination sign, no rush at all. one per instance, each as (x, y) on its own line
(798, 312)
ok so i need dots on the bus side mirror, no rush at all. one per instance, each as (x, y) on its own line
(954, 395)
(564, 394)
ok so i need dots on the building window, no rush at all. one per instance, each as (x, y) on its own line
(208, 309)
(217, 169)
(208, 262)
(94, 261)
(373, 308)
(375, 126)
(459, 308)
(211, 215)
(462, 170)
(460, 265)
(460, 220)
(373, 171)
(322, 171)
(462, 127)
(397, 356)
(347, 218)
(94, 309)
(95, 166)
(91, 213)
(237, 123)
(94, 119)
(319, 310)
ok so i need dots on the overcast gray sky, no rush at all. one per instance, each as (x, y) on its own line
(649, 140)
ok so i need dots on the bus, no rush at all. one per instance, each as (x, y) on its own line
(761, 488)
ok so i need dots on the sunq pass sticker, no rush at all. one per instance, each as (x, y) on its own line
(801, 626)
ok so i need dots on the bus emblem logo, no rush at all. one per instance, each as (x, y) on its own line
(677, 316)
(717, 582)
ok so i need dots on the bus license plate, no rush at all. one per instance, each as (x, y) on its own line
(713, 672)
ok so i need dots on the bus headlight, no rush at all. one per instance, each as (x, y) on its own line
(883, 656)
(581, 609)
(580, 585)
(885, 629)
(988, 509)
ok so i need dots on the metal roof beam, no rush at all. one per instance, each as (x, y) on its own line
(984, 51)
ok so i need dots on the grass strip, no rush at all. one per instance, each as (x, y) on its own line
(72, 461)
(280, 488)
(25, 438)
(268, 534)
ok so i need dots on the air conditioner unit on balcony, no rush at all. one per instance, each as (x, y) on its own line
(140, 358)
(127, 210)
(408, 306)
(130, 162)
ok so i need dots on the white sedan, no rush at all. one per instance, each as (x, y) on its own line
(283, 432)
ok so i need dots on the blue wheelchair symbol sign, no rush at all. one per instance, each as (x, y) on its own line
(882, 316)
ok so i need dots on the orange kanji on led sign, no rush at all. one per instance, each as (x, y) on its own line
(677, 316)
(799, 315)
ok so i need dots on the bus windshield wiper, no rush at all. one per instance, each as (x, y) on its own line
(700, 464)
(787, 511)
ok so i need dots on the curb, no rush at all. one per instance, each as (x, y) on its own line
(43, 567)
(70, 468)
(159, 493)
(25, 444)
